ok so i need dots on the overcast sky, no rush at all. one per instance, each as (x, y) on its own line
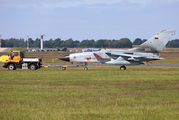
(87, 19)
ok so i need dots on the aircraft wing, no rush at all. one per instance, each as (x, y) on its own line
(134, 57)
(154, 58)
(123, 54)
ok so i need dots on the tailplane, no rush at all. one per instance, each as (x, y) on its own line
(157, 42)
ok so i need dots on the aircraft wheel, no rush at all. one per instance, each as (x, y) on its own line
(122, 68)
(85, 68)
(64, 68)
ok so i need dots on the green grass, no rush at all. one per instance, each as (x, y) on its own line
(166, 61)
(102, 92)
(49, 52)
(55, 60)
(18, 48)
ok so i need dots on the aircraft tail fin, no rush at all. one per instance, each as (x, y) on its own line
(157, 42)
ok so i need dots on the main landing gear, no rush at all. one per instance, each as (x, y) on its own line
(86, 66)
(122, 68)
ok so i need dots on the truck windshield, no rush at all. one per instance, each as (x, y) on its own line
(16, 54)
(13, 54)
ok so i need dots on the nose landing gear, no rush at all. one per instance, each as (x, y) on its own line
(122, 68)
(86, 66)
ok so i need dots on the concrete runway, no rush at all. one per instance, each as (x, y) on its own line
(153, 65)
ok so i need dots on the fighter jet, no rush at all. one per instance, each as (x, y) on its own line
(147, 51)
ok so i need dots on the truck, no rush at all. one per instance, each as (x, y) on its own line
(17, 60)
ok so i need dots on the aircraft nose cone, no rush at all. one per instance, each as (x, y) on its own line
(65, 58)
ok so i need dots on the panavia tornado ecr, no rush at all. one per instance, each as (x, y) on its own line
(147, 51)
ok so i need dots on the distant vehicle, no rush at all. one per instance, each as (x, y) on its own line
(57, 49)
(42, 50)
(17, 60)
(62, 49)
(148, 51)
(34, 50)
(29, 50)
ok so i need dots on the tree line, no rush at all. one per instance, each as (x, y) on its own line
(70, 43)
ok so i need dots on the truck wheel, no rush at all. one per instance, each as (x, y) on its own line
(64, 68)
(32, 67)
(11, 67)
(85, 68)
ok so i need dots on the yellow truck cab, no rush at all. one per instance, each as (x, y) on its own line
(17, 60)
(16, 56)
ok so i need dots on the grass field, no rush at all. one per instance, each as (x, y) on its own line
(144, 93)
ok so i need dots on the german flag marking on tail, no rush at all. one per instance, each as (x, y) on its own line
(156, 38)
